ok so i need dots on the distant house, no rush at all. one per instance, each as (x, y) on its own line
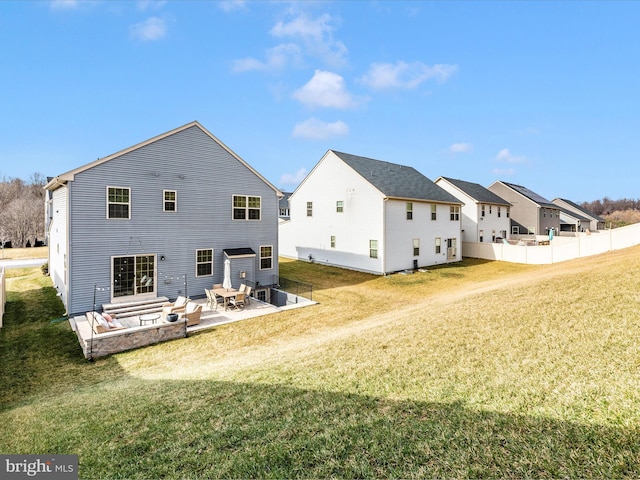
(372, 216)
(159, 219)
(589, 221)
(572, 222)
(531, 214)
(485, 215)
(283, 206)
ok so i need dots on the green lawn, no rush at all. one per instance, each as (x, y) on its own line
(479, 369)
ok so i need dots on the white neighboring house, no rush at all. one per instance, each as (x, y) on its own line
(372, 216)
(485, 215)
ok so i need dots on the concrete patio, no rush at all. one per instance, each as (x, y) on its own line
(136, 336)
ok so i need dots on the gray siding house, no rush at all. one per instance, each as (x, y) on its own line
(159, 219)
(531, 214)
(589, 220)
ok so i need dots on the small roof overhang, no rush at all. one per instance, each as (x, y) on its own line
(239, 252)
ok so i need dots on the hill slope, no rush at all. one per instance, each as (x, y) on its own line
(479, 369)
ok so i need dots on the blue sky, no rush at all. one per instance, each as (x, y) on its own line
(545, 94)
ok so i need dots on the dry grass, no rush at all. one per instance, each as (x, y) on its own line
(22, 253)
(480, 369)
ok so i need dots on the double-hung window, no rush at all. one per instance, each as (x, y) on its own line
(455, 212)
(333, 241)
(204, 262)
(339, 206)
(409, 211)
(416, 247)
(438, 245)
(118, 202)
(266, 257)
(373, 248)
(170, 203)
(309, 209)
(246, 207)
(434, 211)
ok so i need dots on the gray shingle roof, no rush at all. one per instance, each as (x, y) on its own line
(477, 192)
(531, 195)
(572, 214)
(397, 181)
(583, 210)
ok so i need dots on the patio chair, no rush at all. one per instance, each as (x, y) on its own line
(175, 307)
(212, 299)
(242, 288)
(192, 313)
(247, 297)
(238, 300)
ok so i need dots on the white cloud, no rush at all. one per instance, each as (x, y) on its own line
(326, 89)
(316, 35)
(232, 5)
(314, 129)
(144, 5)
(404, 75)
(460, 148)
(293, 178)
(505, 155)
(276, 58)
(153, 28)
(64, 4)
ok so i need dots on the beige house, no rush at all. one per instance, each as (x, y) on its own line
(531, 214)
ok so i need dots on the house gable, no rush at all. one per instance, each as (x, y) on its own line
(204, 178)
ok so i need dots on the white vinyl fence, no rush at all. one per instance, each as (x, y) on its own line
(3, 294)
(559, 249)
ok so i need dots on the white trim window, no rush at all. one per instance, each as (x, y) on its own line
(333, 241)
(266, 257)
(454, 213)
(373, 248)
(246, 207)
(118, 202)
(169, 201)
(409, 210)
(416, 247)
(309, 209)
(339, 206)
(434, 211)
(204, 262)
(438, 245)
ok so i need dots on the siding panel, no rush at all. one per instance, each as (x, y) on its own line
(205, 176)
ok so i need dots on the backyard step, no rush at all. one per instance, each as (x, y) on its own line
(131, 309)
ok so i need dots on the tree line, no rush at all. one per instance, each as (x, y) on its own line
(606, 206)
(22, 211)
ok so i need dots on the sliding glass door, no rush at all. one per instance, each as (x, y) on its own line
(133, 275)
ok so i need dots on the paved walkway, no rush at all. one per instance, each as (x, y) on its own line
(22, 263)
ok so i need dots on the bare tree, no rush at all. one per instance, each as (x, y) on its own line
(21, 210)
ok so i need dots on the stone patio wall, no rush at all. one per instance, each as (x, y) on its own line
(128, 339)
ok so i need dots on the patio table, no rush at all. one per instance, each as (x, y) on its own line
(225, 293)
(149, 317)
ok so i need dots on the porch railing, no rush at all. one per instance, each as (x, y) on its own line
(295, 287)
